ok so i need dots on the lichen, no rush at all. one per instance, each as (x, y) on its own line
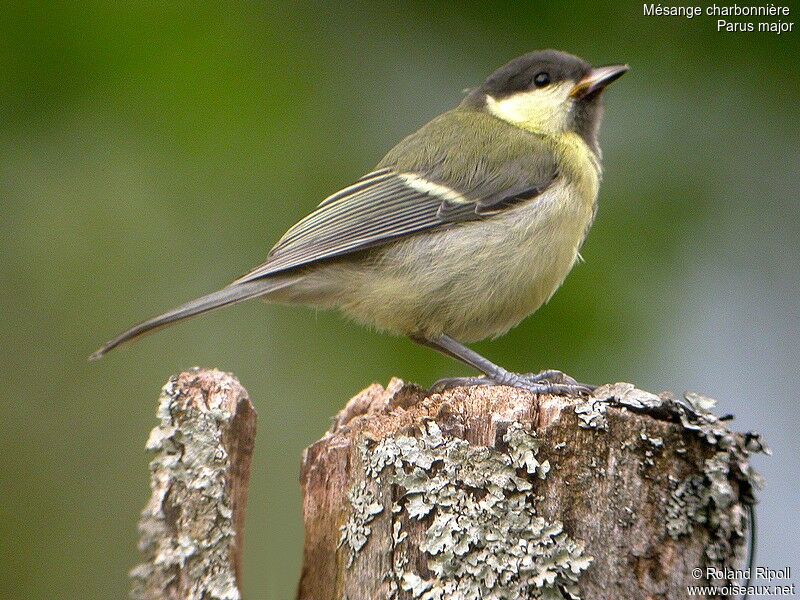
(687, 505)
(653, 445)
(188, 522)
(523, 448)
(356, 530)
(468, 514)
(700, 403)
(627, 395)
(483, 537)
(719, 498)
(597, 468)
(710, 500)
(592, 414)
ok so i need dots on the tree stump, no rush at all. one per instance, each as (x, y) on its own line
(495, 493)
(191, 530)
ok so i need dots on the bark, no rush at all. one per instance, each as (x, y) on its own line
(191, 530)
(492, 492)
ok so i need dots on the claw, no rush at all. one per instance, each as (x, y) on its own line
(454, 382)
(546, 382)
(546, 386)
(551, 375)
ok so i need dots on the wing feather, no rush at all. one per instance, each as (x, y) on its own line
(402, 198)
(387, 208)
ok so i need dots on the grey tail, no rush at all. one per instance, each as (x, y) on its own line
(232, 294)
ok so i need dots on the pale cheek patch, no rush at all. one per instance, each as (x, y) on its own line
(543, 111)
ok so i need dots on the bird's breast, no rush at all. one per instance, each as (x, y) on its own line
(476, 279)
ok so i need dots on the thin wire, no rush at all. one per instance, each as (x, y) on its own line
(752, 560)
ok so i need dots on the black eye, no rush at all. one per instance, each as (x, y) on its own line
(541, 79)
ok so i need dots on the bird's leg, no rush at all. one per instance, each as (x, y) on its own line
(546, 382)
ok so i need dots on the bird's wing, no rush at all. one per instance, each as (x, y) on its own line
(378, 208)
(401, 200)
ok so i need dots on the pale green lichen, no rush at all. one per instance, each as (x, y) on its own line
(592, 414)
(721, 497)
(483, 538)
(687, 506)
(711, 500)
(188, 522)
(654, 444)
(700, 403)
(627, 395)
(597, 468)
(356, 530)
(523, 448)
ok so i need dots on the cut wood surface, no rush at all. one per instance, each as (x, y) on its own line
(191, 530)
(492, 492)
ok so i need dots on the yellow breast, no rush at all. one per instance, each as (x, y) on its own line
(578, 164)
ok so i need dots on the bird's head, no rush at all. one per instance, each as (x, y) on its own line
(547, 92)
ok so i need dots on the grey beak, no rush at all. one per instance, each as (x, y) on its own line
(597, 80)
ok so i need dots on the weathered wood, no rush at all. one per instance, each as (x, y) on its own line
(191, 530)
(492, 492)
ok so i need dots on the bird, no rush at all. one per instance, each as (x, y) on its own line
(461, 231)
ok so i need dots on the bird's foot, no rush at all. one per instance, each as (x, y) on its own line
(449, 383)
(550, 376)
(546, 382)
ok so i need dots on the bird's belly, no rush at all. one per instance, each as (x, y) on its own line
(473, 281)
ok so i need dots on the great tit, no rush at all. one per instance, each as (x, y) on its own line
(462, 230)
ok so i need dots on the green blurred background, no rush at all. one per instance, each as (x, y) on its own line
(150, 153)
